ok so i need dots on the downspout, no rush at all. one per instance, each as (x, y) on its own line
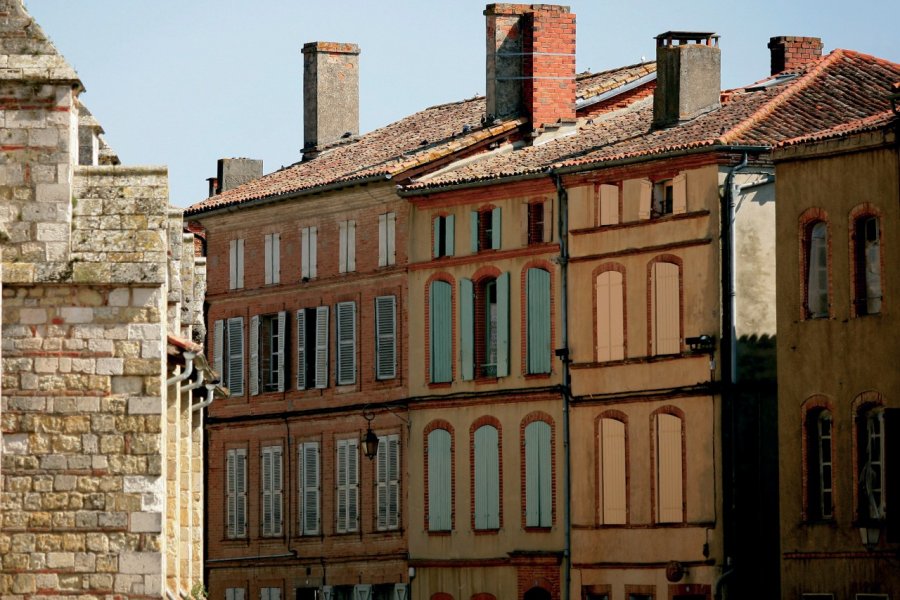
(563, 227)
(188, 369)
(194, 384)
(210, 396)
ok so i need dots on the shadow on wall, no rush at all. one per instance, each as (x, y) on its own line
(756, 359)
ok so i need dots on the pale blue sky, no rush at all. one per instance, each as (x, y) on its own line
(185, 82)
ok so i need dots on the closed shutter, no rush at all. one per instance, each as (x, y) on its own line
(679, 194)
(281, 346)
(342, 247)
(646, 194)
(341, 501)
(610, 317)
(232, 264)
(393, 492)
(301, 349)
(266, 476)
(362, 591)
(439, 298)
(345, 316)
(234, 593)
(538, 483)
(440, 490)
(669, 468)
(277, 492)
(254, 355)
(382, 240)
(218, 348)
(487, 478)
(612, 472)
(449, 235)
(267, 258)
(538, 326)
(609, 204)
(496, 231)
(348, 485)
(467, 328)
(240, 491)
(503, 325)
(321, 347)
(473, 221)
(235, 354)
(230, 494)
(385, 337)
(351, 246)
(309, 488)
(381, 484)
(666, 309)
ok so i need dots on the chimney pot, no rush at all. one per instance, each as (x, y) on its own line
(792, 53)
(330, 94)
(688, 67)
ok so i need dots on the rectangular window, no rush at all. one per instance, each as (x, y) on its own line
(236, 493)
(610, 316)
(536, 223)
(440, 480)
(440, 329)
(484, 327)
(487, 478)
(228, 342)
(444, 231)
(312, 348)
(669, 469)
(663, 198)
(308, 250)
(347, 477)
(609, 204)
(347, 250)
(387, 485)
(613, 478)
(345, 325)
(235, 594)
(272, 493)
(269, 593)
(538, 475)
(236, 265)
(273, 258)
(268, 335)
(387, 226)
(385, 337)
(666, 310)
(310, 494)
(486, 230)
(538, 326)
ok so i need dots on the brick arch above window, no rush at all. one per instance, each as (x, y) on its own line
(486, 272)
(537, 415)
(614, 414)
(668, 409)
(438, 424)
(440, 276)
(483, 596)
(485, 420)
(441, 596)
(609, 315)
(863, 300)
(866, 400)
(610, 266)
(808, 220)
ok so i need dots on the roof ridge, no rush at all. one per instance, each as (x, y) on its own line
(849, 127)
(794, 87)
(872, 57)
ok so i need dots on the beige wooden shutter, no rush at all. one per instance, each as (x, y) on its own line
(666, 311)
(669, 465)
(613, 489)
(646, 195)
(679, 194)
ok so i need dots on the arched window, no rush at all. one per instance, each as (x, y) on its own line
(820, 477)
(610, 316)
(867, 265)
(440, 480)
(538, 475)
(870, 461)
(816, 258)
(486, 475)
(440, 310)
(484, 326)
(613, 471)
(669, 468)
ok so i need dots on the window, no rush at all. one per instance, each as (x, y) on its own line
(443, 236)
(817, 270)
(310, 494)
(487, 478)
(536, 231)
(609, 204)
(870, 437)
(236, 265)
(235, 593)
(312, 348)
(867, 265)
(269, 593)
(387, 484)
(538, 475)
(440, 329)
(669, 469)
(228, 342)
(539, 344)
(236, 493)
(613, 472)
(820, 496)
(610, 316)
(485, 229)
(440, 480)
(308, 251)
(484, 327)
(385, 337)
(347, 477)
(663, 198)
(666, 308)
(267, 353)
(272, 492)
(347, 250)
(273, 258)
(345, 323)
(387, 226)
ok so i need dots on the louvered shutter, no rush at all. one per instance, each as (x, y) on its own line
(342, 247)
(496, 231)
(313, 251)
(645, 198)
(266, 473)
(267, 258)
(351, 246)
(439, 480)
(381, 481)
(254, 355)
(487, 478)
(666, 310)
(230, 494)
(538, 326)
(669, 468)
(341, 524)
(609, 204)
(276, 258)
(309, 482)
(450, 235)
(393, 491)
(546, 474)
(612, 472)
(382, 240)
(441, 332)
(610, 317)
(352, 485)
(218, 347)
(240, 492)
(281, 348)
(679, 194)
(467, 328)
(503, 325)
(236, 356)
(240, 263)
(277, 491)
(385, 337)
(473, 222)
(301, 349)
(232, 264)
(304, 252)
(322, 347)
(345, 316)
(362, 591)
(327, 592)
(400, 591)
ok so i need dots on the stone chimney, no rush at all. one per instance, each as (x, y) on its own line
(233, 172)
(530, 62)
(792, 53)
(688, 71)
(330, 93)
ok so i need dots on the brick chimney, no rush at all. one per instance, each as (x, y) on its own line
(233, 172)
(330, 94)
(792, 53)
(688, 71)
(531, 62)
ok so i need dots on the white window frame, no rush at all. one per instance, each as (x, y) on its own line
(347, 249)
(347, 485)
(228, 353)
(236, 493)
(314, 351)
(269, 593)
(387, 483)
(260, 374)
(272, 258)
(387, 234)
(308, 252)
(236, 264)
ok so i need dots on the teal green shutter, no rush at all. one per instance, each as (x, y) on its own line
(439, 480)
(495, 228)
(546, 473)
(538, 478)
(449, 233)
(467, 328)
(503, 325)
(436, 223)
(473, 218)
(538, 295)
(487, 478)
(441, 335)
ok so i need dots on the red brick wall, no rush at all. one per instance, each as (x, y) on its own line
(549, 65)
(791, 53)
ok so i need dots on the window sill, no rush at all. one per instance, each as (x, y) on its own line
(831, 521)
(441, 533)
(538, 375)
(536, 529)
(440, 385)
(487, 531)
(486, 380)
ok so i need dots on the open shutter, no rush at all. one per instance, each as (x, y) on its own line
(232, 264)
(282, 343)
(679, 194)
(313, 251)
(612, 472)
(503, 325)
(230, 493)
(393, 492)
(609, 204)
(538, 295)
(267, 257)
(301, 349)
(385, 337)
(351, 246)
(240, 487)
(327, 592)
(549, 222)
(341, 501)
(495, 229)
(669, 468)
(449, 234)
(362, 591)
(254, 355)
(240, 263)
(304, 252)
(441, 341)
(473, 221)
(439, 480)
(236, 356)
(277, 491)
(400, 592)
(436, 237)
(381, 484)
(342, 249)
(218, 347)
(352, 485)
(524, 216)
(322, 347)
(391, 238)
(382, 240)
(467, 328)
(345, 316)
(309, 478)
(646, 194)
(666, 309)
(276, 258)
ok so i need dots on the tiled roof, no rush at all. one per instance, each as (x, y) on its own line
(418, 139)
(843, 87)
(873, 123)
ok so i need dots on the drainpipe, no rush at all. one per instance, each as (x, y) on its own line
(188, 369)
(194, 384)
(210, 396)
(563, 226)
